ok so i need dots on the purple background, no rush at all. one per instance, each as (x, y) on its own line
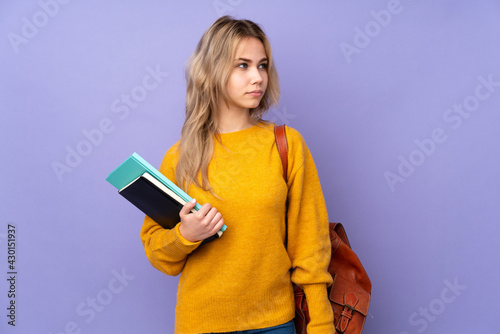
(65, 67)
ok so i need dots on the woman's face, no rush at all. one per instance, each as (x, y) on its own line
(248, 80)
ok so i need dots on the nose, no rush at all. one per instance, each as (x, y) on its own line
(255, 76)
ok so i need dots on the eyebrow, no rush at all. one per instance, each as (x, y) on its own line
(249, 60)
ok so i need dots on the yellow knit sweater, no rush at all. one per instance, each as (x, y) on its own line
(242, 280)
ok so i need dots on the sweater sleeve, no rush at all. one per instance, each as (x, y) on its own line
(308, 235)
(166, 250)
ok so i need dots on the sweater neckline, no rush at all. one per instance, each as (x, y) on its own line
(240, 133)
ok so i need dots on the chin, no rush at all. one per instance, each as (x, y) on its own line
(249, 104)
(254, 105)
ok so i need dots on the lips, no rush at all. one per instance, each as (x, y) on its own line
(255, 93)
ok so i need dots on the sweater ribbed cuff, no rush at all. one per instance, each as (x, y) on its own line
(320, 310)
(183, 246)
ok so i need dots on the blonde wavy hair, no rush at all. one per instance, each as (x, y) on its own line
(207, 75)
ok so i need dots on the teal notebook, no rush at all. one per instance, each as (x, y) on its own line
(133, 167)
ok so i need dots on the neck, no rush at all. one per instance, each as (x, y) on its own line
(234, 120)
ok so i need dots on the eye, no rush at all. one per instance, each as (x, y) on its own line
(243, 65)
(263, 66)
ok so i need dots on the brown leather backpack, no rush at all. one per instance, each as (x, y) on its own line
(350, 292)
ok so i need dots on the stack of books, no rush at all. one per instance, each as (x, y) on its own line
(152, 192)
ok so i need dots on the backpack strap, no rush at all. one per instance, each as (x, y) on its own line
(282, 145)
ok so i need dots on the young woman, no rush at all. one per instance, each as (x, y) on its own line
(227, 160)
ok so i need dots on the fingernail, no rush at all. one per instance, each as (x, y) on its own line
(193, 200)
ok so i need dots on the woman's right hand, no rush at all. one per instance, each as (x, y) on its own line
(197, 226)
